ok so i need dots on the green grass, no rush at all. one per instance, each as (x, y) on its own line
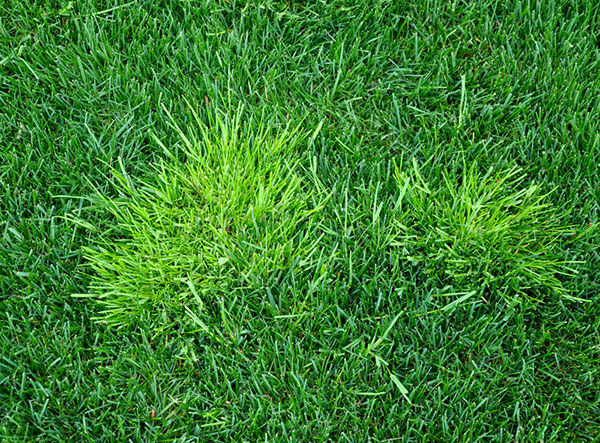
(476, 233)
(232, 215)
(351, 340)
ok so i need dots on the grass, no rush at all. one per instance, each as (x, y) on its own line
(476, 233)
(361, 342)
(232, 215)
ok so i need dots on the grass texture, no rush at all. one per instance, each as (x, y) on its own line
(287, 273)
(232, 215)
(484, 233)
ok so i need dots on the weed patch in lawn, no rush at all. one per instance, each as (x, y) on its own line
(484, 232)
(234, 213)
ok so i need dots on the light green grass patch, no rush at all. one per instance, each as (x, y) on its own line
(483, 232)
(233, 213)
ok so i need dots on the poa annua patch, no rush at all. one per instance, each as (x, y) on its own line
(482, 233)
(232, 214)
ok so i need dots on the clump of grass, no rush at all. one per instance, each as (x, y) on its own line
(482, 233)
(234, 213)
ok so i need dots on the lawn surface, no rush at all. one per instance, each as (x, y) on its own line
(89, 87)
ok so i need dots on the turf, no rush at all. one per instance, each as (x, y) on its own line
(361, 348)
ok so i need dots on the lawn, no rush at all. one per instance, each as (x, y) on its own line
(345, 220)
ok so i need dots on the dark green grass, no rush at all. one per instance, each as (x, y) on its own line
(500, 83)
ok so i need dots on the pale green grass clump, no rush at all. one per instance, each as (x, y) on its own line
(483, 233)
(233, 214)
